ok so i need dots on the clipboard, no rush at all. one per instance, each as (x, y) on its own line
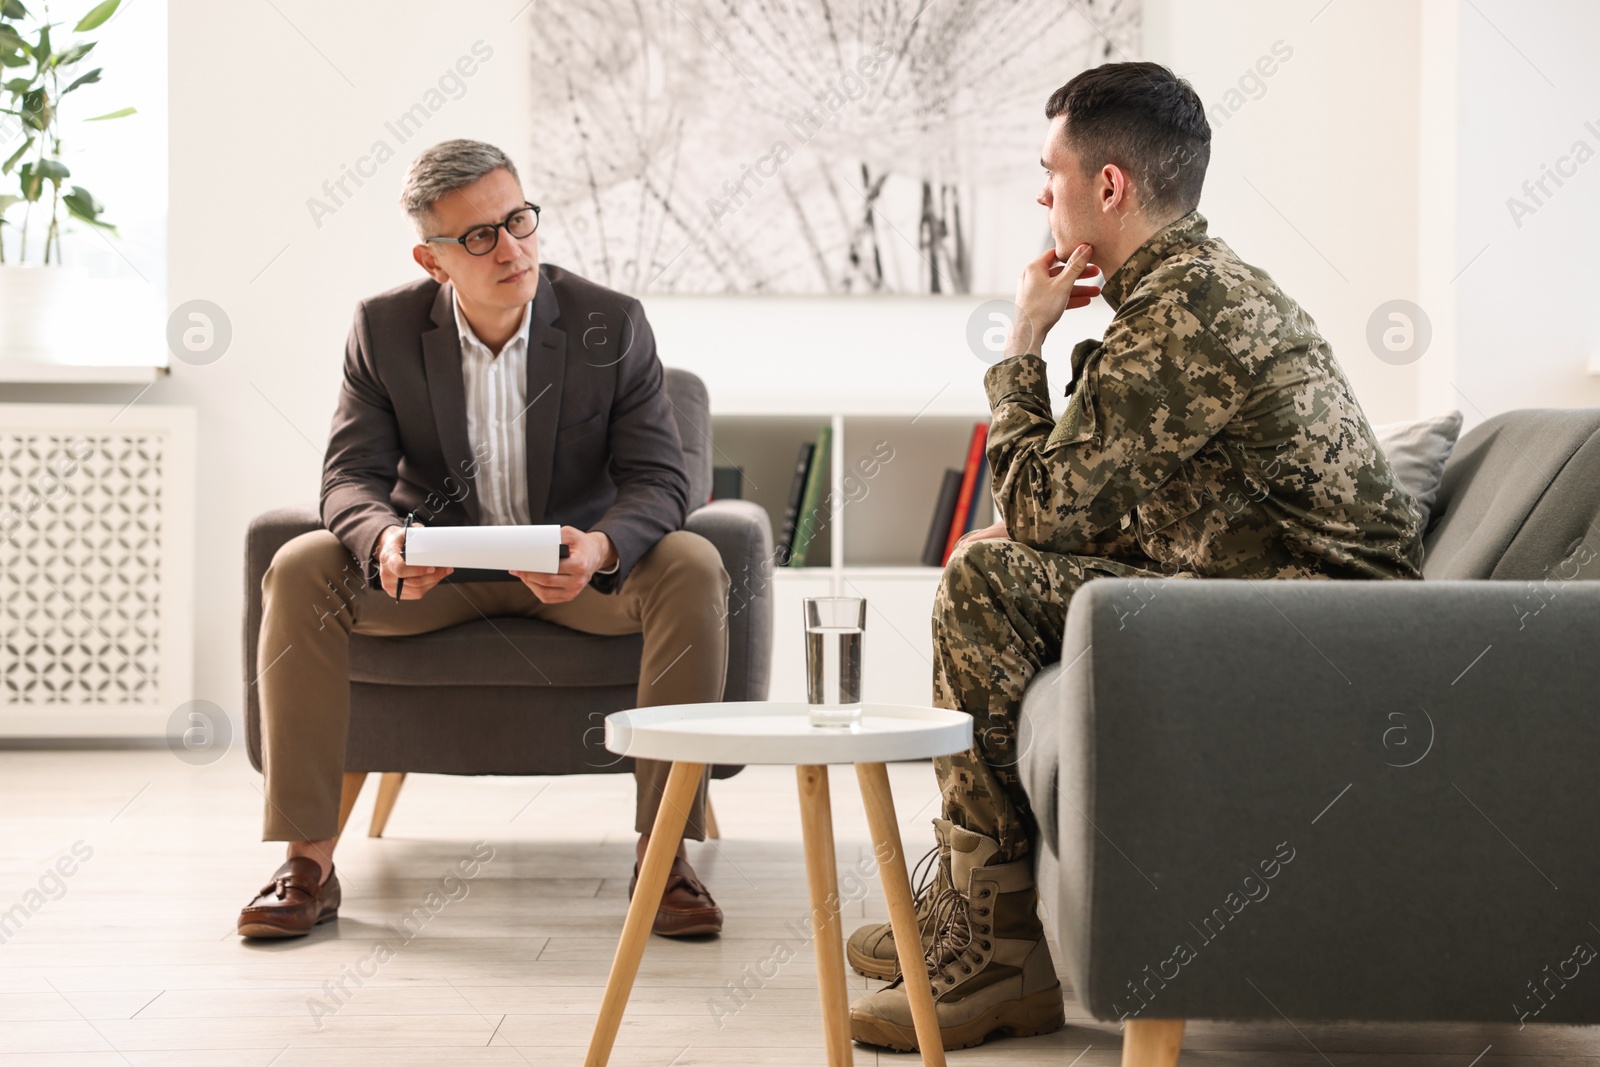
(483, 553)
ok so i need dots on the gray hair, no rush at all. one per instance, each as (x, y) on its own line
(446, 166)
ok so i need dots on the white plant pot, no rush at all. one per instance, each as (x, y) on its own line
(62, 315)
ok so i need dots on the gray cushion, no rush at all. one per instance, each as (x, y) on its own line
(692, 406)
(1417, 451)
(500, 651)
(1498, 495)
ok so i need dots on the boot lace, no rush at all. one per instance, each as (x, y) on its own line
(924, 877)
(953, 944)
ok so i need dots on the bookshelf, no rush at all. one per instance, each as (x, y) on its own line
(869, 543)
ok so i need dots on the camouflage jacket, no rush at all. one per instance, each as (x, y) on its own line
(1209, 432)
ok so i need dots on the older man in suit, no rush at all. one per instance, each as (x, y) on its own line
(495, 391)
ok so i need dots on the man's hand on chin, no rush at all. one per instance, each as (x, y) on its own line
(590, 552)
(1046, 289)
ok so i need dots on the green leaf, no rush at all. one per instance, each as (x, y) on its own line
(53, 169)
(92, 76)
(18, 86)
(13, 59)
(6, 200)
(96, 16)
(6, 169)
(41, 51)
(85, 207)
(9, 37)
(30, 184)
(120, 113)
(86, 201)
(73, 54)
(36, 110)
(13, 9)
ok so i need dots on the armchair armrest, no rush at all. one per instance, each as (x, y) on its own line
(267, 533)
(1333, 800)
(742, 534)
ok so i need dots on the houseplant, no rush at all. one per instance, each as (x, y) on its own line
(41, 303)
(34, 95)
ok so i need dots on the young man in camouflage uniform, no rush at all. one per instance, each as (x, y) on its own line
(1209, 434)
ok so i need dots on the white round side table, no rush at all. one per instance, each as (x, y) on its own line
(771, 732)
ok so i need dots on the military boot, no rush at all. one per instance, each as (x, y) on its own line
(870, 949)
(988, 963)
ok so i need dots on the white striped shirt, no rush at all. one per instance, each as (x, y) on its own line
(497, 389)
(497, 399)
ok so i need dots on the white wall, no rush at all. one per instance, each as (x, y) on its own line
(1529, 91)
(1314, 175)
(265, 108)
(1438, 260)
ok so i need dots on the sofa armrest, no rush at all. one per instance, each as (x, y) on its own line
(1330, 800)
(267, 533)
(742, 534)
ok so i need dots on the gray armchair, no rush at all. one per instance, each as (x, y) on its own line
(518, 721)
(1369, 801)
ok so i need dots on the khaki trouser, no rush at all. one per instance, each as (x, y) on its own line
(676, 595)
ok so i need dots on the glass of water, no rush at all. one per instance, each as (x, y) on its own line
(833, 659)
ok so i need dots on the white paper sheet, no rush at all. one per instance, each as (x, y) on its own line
(501, 548)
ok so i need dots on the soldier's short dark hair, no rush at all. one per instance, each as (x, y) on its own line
(1146, 120)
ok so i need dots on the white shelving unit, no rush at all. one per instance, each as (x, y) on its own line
(869, 544)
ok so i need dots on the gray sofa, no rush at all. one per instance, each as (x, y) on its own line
(458, 701)
(1342, 800)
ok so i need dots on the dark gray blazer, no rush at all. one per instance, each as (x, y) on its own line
(603, 451)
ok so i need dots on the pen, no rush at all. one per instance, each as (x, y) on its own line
(400, 582)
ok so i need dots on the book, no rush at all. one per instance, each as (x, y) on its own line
(977, 494)
(811, 503)
(943, 511)
(727, 483)
(969, 481)
(791, 512)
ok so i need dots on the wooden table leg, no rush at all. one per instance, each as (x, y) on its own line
(682, 783)
(879, 801)
(816, 823)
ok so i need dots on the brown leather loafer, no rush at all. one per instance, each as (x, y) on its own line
(686, 906)
(293, 902)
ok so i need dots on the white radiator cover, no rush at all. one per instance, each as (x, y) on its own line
(97, 525)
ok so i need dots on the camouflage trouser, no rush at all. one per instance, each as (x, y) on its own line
(998, 619)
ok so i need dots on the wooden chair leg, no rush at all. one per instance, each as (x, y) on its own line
(388, 792)
(713, 831)
(1152, 1042)
(353, 781)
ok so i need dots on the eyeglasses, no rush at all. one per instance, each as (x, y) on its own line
(481, 240)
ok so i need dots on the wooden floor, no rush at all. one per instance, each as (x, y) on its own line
(132, 958)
